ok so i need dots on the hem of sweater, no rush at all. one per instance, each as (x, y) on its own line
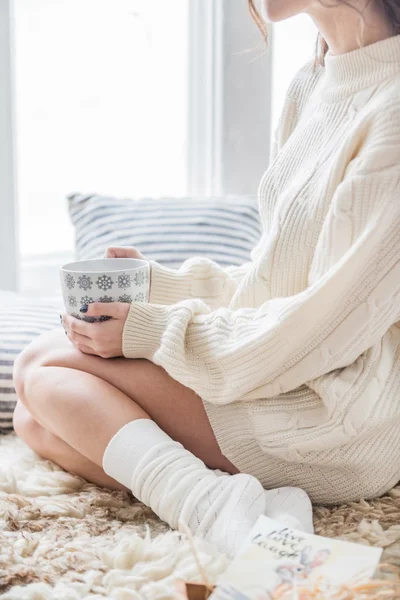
(390, 485)
(238, 443)
(230, 424)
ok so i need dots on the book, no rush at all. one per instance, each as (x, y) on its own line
(276, 562)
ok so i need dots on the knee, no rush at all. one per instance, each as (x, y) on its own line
(26, 427)
(35, 355)
(24, 363)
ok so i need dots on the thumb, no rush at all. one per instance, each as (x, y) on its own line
(109, 309)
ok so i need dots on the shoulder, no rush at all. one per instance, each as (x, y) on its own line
(385, 102)
(380, 127)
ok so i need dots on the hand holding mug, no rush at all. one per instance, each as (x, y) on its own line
(97, 295)
(101, 339)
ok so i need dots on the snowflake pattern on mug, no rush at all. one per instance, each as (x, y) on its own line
(124, 281)
(86, 300)
(85, 282)
(104, 282)
(139, 278)
(125, 298)
(139, 297)
(69, 281)
(72, 301)
(106, 299)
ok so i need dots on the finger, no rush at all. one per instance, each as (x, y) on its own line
(119, 252)
(80, 340)
(86, 349)
(115, 310)
(71, 324)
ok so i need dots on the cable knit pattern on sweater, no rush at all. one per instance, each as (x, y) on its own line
(296, 355)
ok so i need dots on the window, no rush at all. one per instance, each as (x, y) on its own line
(101, 106)
(129, 98)
(293, 45)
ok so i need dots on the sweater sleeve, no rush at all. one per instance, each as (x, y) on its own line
(197, 277)
(225, 355)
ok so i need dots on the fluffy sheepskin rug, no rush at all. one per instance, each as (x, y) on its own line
(64, 539)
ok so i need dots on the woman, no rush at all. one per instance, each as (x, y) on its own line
(283, 372)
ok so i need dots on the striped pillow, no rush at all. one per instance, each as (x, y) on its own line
(168, 230)
(22, 318)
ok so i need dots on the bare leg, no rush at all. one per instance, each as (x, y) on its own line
(85, 401)
(51, 373)
(51, 447)
(78, 407)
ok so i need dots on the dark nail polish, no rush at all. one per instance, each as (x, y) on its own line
(84, 308)
(60, 317)
(65, 332)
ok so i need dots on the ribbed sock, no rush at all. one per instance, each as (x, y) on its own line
(179, 487)
(291, 506)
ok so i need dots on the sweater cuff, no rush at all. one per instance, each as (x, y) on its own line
(168, 286)
(143, 329)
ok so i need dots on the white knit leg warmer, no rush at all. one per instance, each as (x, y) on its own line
(180, 488)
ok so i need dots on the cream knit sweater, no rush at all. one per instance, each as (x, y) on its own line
(296, 355)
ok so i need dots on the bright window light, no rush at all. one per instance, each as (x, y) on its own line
(294, 45)
(102, 102)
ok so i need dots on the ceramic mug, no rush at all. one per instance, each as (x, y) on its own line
(104, 280)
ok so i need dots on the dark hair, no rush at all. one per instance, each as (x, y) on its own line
(391, 8)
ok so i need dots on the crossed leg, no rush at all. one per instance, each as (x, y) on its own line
(71, 404)
(80, 402)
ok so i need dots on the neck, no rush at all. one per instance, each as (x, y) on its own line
(345, 29)
(348, 73)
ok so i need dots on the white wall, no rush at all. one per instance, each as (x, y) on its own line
(8, 217)
(247, 102)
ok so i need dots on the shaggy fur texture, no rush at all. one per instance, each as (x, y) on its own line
(62, 538)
